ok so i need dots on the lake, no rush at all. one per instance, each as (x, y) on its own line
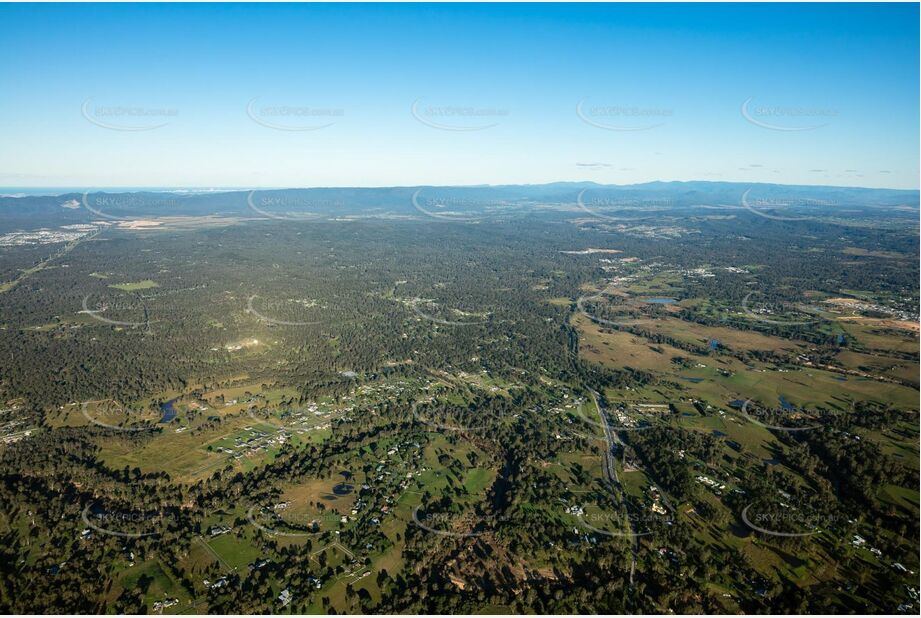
(169, 412)
(660, 301)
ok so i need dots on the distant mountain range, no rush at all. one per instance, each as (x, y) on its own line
(444, 201)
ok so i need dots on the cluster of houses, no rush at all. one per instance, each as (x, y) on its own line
(44, 236)
(15, 429)
(254, 442)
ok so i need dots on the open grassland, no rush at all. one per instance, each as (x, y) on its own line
(692, 333)
(135, 286)
(880, 337)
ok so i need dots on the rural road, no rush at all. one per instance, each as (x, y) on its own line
(610, 470)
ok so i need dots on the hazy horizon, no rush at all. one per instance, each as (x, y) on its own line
(26, 191)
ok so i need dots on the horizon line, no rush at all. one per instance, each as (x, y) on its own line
(63, 190)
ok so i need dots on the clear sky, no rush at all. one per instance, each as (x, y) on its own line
(457, 94)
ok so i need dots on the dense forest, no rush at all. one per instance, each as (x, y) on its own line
(531, 409)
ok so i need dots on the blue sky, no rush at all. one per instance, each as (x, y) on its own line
(457, 94)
